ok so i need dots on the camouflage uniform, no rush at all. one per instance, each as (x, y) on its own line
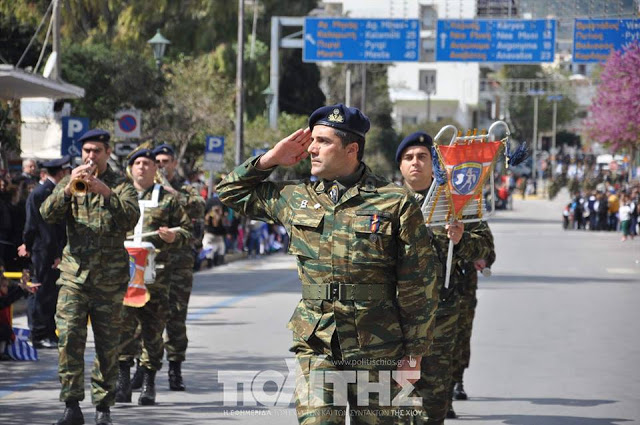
(93, 277)
(373, 241)
(181, 274)
(468, 286)
(435, 383)
(153, 315)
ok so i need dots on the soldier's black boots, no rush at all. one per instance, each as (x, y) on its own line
(123, 386)
(72, 414)
(175, 376)
(148, 392)
(103, 416)
(458, 391)
(136, 381)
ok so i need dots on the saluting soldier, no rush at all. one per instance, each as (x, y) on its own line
(180, 270)
(162, 212)
(413, 156)
(364, 259)
(94, 273)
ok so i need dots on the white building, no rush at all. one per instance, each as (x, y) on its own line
(438, 89)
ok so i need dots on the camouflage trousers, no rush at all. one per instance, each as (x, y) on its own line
(145, 325)
(319, 402)
(462, 351)
(181, 281)
(435, 374)
(102, 302)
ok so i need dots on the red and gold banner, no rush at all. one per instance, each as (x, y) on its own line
(137, 294)
(468, 167)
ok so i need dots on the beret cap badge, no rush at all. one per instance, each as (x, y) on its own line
(335, 116)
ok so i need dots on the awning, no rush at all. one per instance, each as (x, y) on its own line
(16, 83)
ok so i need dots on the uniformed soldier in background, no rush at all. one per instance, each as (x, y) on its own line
(468, 302)
(367, 268)
(414, 159)
(163, 213)
(180, 270)
(94, 272)
(44, 242)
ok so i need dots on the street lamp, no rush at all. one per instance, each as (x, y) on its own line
(159, 44)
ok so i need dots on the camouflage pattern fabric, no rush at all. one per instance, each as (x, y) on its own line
(321, 408)
(151, 320)
(153, 315)
(468, 301)
(435, 381)
(181, 280)
(94, 272)
(374, 234)
(338, 243)
(181, 274)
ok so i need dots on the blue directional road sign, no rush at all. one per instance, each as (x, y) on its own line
(72, 129)
(214, 153)
(361, 40)
(595, 39)
(496, 40)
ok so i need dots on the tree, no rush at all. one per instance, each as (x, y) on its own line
(198, 101)
(615, 111)
(521, 107)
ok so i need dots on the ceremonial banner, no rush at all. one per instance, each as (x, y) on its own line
(468, 166)
(137, 294)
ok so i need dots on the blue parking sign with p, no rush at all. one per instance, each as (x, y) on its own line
(72, 129)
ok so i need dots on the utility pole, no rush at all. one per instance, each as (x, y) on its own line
(364, 87)
(347, 89)
(534, 142)
(240, 86)
(56, 74)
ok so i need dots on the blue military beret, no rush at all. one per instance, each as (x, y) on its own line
(342, 118)
(57, 163)
(164, 149)
(142, 153)
(95, 135)
(419, 138)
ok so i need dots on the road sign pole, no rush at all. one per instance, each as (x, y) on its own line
(274, 75)
(553, 139)
(347, 88)
(534, 142)
(240, 86)
(364, 87)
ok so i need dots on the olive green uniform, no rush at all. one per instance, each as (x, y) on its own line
(367, 271)
(94, 273)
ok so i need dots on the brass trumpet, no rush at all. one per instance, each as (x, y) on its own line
(79, 186)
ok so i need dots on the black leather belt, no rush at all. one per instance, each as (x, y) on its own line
(348, 291)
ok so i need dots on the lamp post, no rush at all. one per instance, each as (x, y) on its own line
(159, 45)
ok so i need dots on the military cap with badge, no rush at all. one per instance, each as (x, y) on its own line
(341, 117)
(95, 135)
(419, 138)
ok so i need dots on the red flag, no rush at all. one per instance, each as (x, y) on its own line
(468, 167)
(137, 294)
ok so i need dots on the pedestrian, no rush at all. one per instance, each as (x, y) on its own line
(367, 269)
(159, 211)
(43, 243)
(94, 273)
(413, 157)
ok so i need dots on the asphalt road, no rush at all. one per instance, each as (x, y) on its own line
(556, 338)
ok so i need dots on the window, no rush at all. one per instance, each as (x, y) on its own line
(428, 50)
(428, 81)
(428, 17)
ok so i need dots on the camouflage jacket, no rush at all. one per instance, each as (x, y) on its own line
(193, 204)
(96, 231)
(334, 244)
(168, 213)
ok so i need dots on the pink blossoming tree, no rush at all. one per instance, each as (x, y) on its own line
(615, 111)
